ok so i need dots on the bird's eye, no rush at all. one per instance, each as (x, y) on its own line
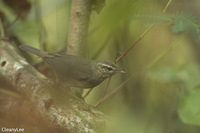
(109, 68)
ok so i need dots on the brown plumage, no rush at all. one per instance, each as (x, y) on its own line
(76, 71)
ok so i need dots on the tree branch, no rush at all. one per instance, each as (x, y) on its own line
(59, 110)
(78, 26)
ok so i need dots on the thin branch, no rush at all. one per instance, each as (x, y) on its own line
(124, 54)
(168, 3)
(94, 57)
(157, 59)
(87, 93)
(133, 44)
(104, 93)
(107, 85)
(114, 92)
(141, 36)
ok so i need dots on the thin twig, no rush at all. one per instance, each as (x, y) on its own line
(104, 93)
(134, 43)
(111, 94)
(168, 3)
(175, 44)
(107, 85)
(125, 53)
(87, 93)
(141, 36)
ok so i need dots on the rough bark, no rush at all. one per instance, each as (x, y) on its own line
(78, 27)
(43, 101)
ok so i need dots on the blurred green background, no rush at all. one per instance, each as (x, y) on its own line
(163, 95)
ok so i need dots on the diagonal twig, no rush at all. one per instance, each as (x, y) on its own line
(114, 92)
(107, 85)
(124, 54)
(141, 36)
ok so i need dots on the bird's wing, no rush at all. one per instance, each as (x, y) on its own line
(70, 66)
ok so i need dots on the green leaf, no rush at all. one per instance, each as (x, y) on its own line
(189, 109)
(184, 21)
(181, 21)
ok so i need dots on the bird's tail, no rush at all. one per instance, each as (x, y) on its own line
(33, 50)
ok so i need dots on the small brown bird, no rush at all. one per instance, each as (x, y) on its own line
(76, 71)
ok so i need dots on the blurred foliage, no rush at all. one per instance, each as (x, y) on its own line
(189, 108)
(180, 21)
(162, 98)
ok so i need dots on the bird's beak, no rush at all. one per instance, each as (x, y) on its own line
(120, 71)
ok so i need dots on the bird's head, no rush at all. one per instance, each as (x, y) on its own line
(107, 69)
